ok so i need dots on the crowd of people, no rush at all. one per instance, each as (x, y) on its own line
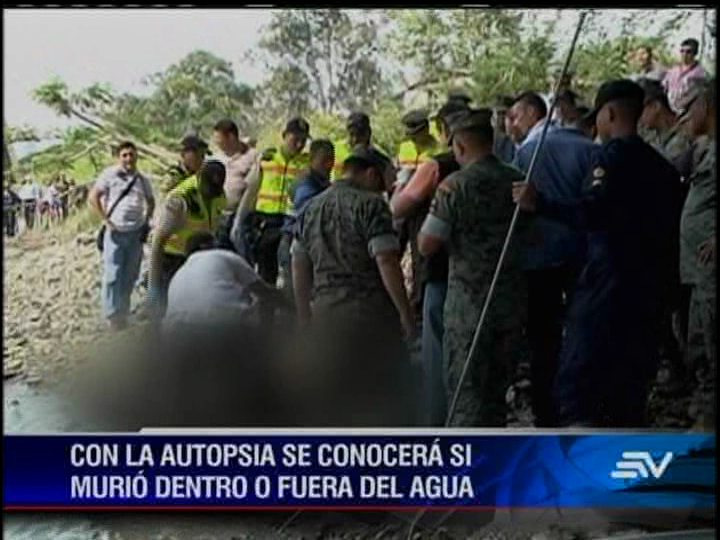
(610, 267)
(37, 205)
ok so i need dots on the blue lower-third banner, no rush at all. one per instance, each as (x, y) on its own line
(368, 469)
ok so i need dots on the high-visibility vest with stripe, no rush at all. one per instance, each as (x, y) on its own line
(342, 152)
(409, 157)
(198, 217)
(279, 177)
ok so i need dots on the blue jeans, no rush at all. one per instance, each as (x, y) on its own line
(432, 353)
(122, 254)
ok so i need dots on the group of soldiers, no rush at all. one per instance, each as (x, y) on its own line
(329, 227)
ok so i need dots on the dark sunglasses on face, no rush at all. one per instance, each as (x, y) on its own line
(687, 51)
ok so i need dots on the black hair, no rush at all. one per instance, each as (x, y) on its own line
(210, 168)
(198, 242)
(534, 100)
(321, 146)
(568, 96)
(480, 133)
(691, 42)
(124, 146)
(227, 126)
(632, 107)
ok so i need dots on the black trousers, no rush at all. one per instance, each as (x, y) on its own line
(10, 221)
(549, 291)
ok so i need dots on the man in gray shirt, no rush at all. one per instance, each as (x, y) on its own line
(124, 198)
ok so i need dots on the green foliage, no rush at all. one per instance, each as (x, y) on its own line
(320, 58)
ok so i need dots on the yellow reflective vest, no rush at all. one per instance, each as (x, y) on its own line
(198, 217)
(409, 157)
(342, 152)
(279, 177)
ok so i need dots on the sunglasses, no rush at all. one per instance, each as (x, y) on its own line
(687, 51)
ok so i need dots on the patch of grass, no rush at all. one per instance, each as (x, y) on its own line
(82, 220)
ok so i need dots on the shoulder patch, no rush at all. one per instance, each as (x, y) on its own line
(598, 176)
(448, 185)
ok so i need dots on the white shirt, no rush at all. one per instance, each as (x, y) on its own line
(131, 211)
(212, 285)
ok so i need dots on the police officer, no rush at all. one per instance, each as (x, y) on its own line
(349, 287)
(195, 205)
(420, 147)
(359, 132)
(610, 346)
(268, 200)
(470, 215)
(193, 151)
(414, 198)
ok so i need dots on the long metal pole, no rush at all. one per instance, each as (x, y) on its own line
(508, 237)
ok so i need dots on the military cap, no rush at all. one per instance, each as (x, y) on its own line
(449, 108)
(193, 142)
(615, 90)
(358, 120)
(366, 155)
(459, 95)
(472, 119)
(415, 121)
(299, 126)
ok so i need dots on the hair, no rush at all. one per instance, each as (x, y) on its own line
(321, 146)
(479, 133)
(533, 99)
(198, 242)
(124, 146)
(227, 126)
(630, 107)
(568, 96)
(212, 167)
(691, 42)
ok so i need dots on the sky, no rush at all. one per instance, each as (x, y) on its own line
(121, 46)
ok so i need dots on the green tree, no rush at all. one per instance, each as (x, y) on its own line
(320, 58)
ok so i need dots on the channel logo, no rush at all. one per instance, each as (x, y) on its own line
(640, 464)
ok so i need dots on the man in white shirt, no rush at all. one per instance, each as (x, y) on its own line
(126, 220)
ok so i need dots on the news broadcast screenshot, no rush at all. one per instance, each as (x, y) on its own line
(359, 273)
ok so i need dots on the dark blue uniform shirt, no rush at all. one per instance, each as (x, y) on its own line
(308, 186)
(630, 212)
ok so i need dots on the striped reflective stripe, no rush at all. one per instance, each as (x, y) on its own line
(278, 168)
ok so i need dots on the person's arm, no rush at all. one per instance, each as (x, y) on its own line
(171, 220)
(388, 263)
(406, 199)
(436, 231)
(149, 198)
(302, 279)
(586, 214)
(384, 247)
(249, 198)
(100, 190)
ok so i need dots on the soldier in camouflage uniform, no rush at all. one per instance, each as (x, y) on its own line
(470, 214)
(661, 129)
(349, 286)
(698, 236)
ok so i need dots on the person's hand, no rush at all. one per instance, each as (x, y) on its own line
(408, 325)
(706, 251)
(525, 195)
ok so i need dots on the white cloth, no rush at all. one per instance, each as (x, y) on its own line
(212, 285)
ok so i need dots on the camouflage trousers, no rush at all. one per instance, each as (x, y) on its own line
(481, 400)
(701, 350)
(702, 333)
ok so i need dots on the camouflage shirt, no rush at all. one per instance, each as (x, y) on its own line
(698, 217)
(341, 231)
(672, 143)
(472, 210)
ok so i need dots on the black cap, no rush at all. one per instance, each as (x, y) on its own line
(368, 156)
(614, 90)
(654, 92)
(193, 142)
(415, 121)
(449, 108)
(459, 95)
(298, 126)
(471, 119)
(358, 120)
